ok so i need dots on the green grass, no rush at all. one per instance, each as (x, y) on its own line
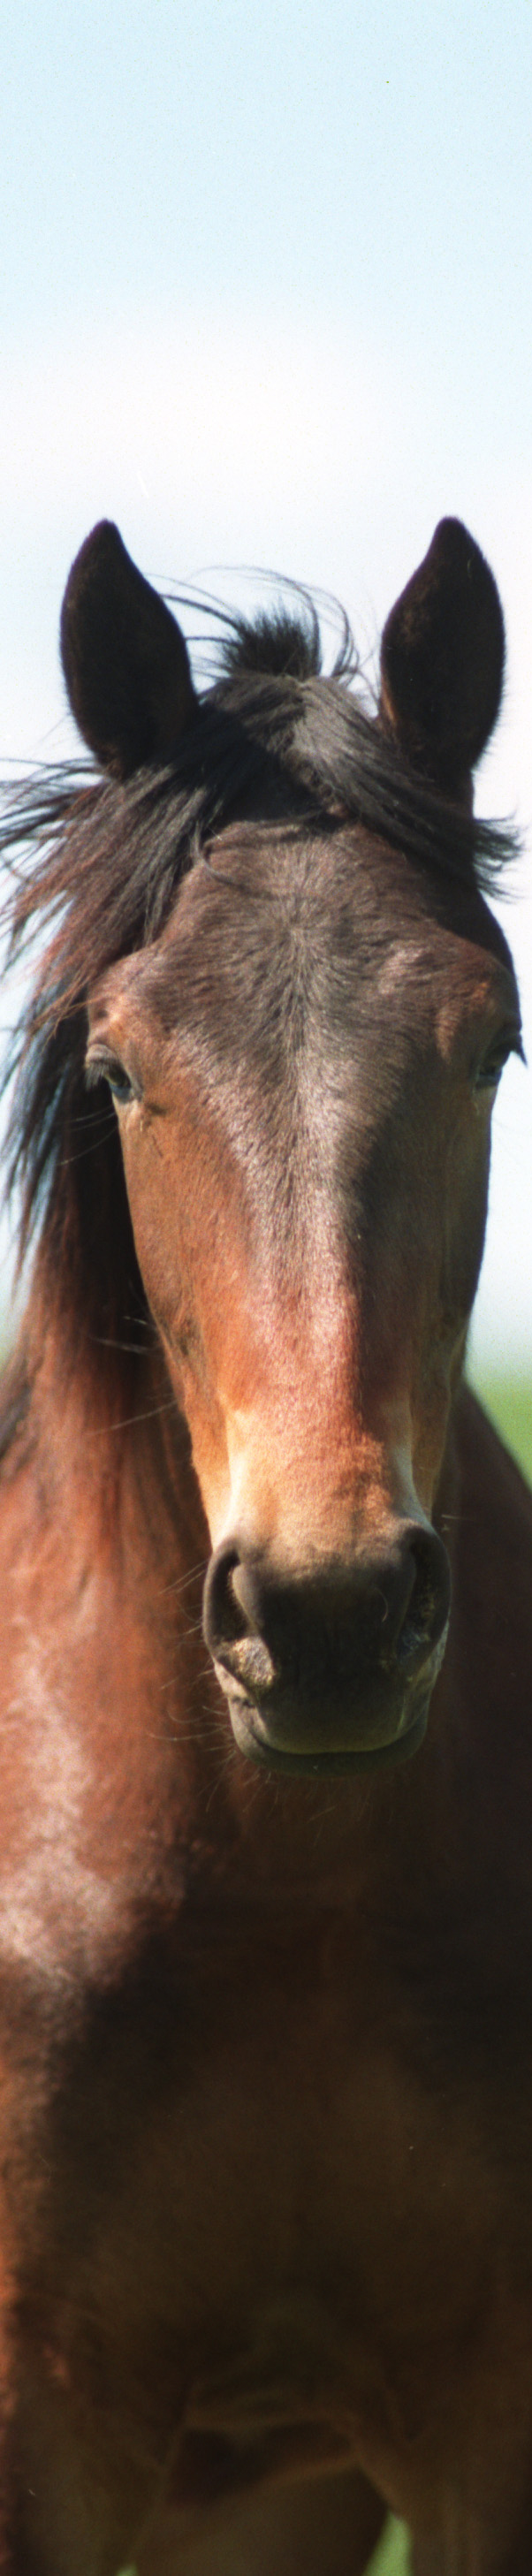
(508, 1399)
(390, 2559)
(392, 2556)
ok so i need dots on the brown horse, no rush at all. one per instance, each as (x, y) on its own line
(266, 1606)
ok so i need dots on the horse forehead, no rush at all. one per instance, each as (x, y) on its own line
(306, 946)
(343, 900)
(277, 898)
(301, 1012)
(277, 956)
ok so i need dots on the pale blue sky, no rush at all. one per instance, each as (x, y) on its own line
(265, 298)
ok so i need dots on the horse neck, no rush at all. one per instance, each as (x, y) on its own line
(112, 1451)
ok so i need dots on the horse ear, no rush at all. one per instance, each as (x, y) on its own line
(124, 659)
(442, 660)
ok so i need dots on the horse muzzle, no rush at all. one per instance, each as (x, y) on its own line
(332, 1669)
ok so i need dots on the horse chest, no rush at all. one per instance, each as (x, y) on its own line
(270, 2221)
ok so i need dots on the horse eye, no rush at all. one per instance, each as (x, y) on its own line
(119, 1083)
(107, 1068)
(488, 1073)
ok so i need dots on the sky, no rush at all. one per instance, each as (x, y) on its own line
(265, 299)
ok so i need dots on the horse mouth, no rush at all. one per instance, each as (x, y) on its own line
(255, 1735)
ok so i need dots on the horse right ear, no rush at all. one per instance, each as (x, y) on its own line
(442, 660)
(124, 659)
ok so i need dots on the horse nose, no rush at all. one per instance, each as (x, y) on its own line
(419, 1605)
(331, 1627)
(231, 1621)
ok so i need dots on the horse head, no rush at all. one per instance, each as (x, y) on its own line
(303, 1060)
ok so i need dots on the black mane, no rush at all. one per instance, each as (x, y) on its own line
(98, 864)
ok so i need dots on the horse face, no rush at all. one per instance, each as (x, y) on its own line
(304, 1069)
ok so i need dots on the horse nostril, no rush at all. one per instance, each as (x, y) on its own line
(231, 1623)
(426, 1607)
(223, 1619)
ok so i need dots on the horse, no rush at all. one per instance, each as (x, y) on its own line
(266, 1617)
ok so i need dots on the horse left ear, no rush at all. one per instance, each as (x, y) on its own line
(442, 660)
(124, 658)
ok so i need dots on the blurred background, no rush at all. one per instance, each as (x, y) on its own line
(265, 290)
